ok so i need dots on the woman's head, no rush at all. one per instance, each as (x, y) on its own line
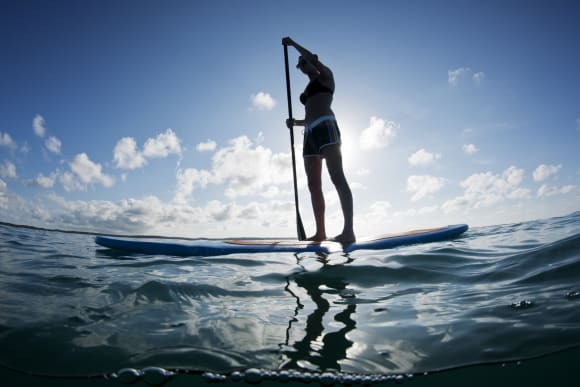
(306, 66)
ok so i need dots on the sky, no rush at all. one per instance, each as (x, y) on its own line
(167, 117)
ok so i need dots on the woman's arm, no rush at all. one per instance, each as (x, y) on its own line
(310, 57)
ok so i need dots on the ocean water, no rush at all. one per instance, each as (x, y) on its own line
(500, 304)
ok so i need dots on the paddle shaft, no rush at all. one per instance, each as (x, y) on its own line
(300, 227)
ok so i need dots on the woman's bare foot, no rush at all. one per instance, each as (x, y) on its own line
(344, 239)
(317, 238)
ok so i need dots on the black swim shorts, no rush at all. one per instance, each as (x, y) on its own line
(319, 134)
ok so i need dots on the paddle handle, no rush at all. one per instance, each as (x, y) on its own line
(300, 227)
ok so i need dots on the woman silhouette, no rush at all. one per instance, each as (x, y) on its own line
(322, 141)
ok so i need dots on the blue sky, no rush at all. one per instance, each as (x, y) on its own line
(150, 117)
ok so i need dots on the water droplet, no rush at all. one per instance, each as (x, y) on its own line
(236, 376)
(156, 375)
(327, 379)
(283, 376)
(253, 376)
(128, 375)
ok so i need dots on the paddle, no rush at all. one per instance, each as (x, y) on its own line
(301, 233)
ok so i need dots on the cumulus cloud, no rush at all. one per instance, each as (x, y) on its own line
(53, 144)
(45, 181)
(485, 189)
(478, 77)
(422, 158)
(378, 134)
(263, 101)
(470, 149)
(38, 124)
(188, 180)
(456, 76)
(543, 171)
(147, 215)
(8, 170)
(424, 185)
(209, 145)
(163, 145)
(379, 209)
(546, 190)
(6, 141)
(245, 168)
(70, 183)
(126, 154)
(89, 172)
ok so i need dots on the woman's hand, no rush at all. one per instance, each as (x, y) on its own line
(287, 41)
(291, 122)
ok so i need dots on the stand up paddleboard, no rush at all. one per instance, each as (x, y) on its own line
(206, 248)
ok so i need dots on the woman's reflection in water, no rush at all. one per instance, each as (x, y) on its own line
(320, 349)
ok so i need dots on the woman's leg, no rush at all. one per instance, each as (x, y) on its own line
(313, 167)
(333, 157)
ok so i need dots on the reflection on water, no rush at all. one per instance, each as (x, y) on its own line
(319, 341)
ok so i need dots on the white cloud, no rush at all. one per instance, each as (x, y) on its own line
(379, 209)
(470, 149)
(126, 155)
(247, 169)
(546, 190)
(89, 172)
(422, 158)
(379, 134)
(6, 140)
(543, 171)
(163, 145)
(478, 77)
(70, 182)
(485, 189)
(421, 186)
(272, 192)
(38, 125)
(456, 75)
(244, 167)
(413, 212)
(2, 189)
(7, 170)
(209, 145)
(45, 181)
(263, 101)
(53, 144)
(187, 180)
(149, 215)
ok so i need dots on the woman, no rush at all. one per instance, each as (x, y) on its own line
(321, 141)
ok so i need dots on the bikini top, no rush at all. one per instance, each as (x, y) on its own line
(314, 87)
